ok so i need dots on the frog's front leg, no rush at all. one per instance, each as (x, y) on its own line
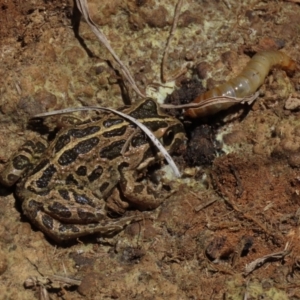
(67, 213)
(115, 204)
(141, 195)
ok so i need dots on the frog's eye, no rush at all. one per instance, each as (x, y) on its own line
(168, 137)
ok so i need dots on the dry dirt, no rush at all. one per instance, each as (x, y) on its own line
(237, 205)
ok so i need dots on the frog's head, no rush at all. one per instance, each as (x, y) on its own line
(166, 128)
(172, 136)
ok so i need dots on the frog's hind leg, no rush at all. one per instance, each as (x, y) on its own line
(67, 204)
(59, 231)
(22, 161)
(68, 213)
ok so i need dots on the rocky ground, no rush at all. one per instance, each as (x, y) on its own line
(239, 198)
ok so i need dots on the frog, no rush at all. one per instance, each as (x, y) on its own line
(89, 176)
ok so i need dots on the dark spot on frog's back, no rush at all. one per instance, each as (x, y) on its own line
(47, 221)
(68, 227)
(60, 210)
(62, 141)
(20, 162)
(34, 208)
(86, 216)
(44, 180)
(70, 180)
(81, 171)
(79, 133)
(39, 147)
(82, 199)
(86, 146)
(146, 109)
(97, 172)
(111, 122)
(103, 187)
(40, 166)
(115, 132)
(64, 194)
(113, 150)
(82, 147)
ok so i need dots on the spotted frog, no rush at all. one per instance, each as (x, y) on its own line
(70, 186)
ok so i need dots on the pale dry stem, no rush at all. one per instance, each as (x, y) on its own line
(83, 8)
(183, 70)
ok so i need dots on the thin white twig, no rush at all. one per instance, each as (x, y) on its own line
(213, 101)
(164, 77)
